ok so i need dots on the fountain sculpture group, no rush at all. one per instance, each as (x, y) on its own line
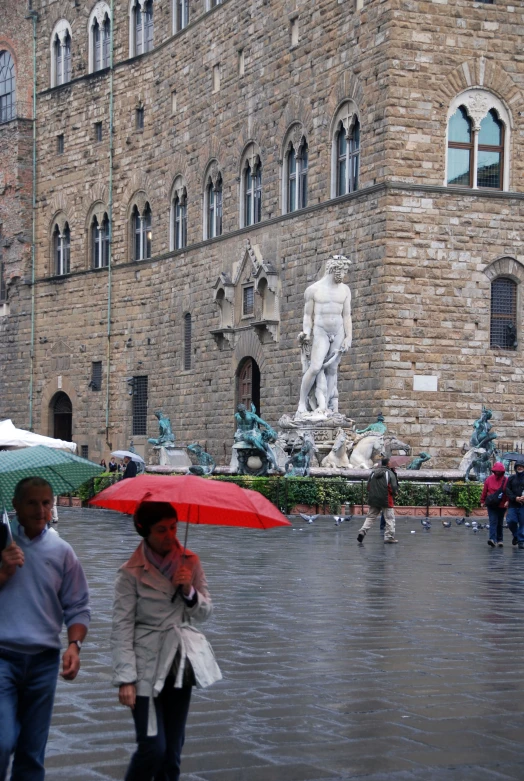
(318, 435)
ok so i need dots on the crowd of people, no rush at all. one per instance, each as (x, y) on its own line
(499, 494)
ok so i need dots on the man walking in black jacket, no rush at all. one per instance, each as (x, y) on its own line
(515, 494)
(382, 488)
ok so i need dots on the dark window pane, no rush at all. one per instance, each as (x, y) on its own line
(3, 286)
(459, 166)
(490, 133)
(139, 406)
(96, 375)
(503, 314)
(488, 169)
(187, 341)
(7, 87)
(248, 301)
(460, 127)
(84, 451)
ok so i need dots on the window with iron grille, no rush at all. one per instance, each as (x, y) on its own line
(3, 286)
(187, 341)
(84, 451)
(503, 332)
(139, 406)
(96, 375)
(248, 301)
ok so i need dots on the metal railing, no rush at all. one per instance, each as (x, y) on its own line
(19, 109)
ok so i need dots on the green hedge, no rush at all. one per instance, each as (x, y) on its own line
(333, 492)
(329, 492)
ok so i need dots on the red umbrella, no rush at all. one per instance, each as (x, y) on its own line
(195, 499)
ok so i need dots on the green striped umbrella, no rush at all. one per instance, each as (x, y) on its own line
(63, 470)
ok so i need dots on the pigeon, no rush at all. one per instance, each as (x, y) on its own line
(308, 518)
(426, 523)
(446, 524)
(341, 518)
(459, 521)
(475, 529)
(467, 524)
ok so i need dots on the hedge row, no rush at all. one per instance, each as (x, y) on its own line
(330, 492)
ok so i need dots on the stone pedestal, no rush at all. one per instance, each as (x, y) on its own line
(322, 431)
(176, 457)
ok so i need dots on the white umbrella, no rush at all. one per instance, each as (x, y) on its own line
(128, 454)
(10, 436)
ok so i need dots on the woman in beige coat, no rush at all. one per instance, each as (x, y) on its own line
(158, 655)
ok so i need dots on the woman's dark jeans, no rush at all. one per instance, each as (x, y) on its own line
(158, 757)
(496, 523)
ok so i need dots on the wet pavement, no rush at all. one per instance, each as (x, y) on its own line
(340, 661)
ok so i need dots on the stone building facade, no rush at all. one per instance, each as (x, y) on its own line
(199, 202)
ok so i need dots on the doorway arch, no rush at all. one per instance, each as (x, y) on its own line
(61, 417)
(248, 383)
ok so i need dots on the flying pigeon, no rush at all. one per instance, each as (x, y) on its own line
(341, 518)
(459, 521)
(308, 518)
(446, 524)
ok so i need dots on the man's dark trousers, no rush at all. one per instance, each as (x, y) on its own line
(27, 692)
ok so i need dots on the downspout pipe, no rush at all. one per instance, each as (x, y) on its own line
(110, 216)
(34, 16)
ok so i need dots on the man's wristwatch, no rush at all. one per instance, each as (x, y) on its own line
(78, 643)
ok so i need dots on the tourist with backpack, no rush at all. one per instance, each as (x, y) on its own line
(494, 498)
(515, 494)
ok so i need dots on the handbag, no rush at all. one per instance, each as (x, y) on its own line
(494, 499)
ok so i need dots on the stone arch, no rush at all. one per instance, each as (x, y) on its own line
(244, 139)
(54, 386)
(96, 194)
(484, 73)
(139, 182)
(348, 87)
(505, 266)
(297, 112)
(58, 204)
(248, 346)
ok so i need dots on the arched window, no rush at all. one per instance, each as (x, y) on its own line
(142, 233)
(345, 150)
(295, 178)
(100, 242)
(62, 48)
(187, 341)
(62, 249)
(100, 37)
(180, 15)
(179, 217)
(503, 330)
(348, 153)
(252, 182)
(478, 141)
(213, 207)
(142, 27)
(7, 87)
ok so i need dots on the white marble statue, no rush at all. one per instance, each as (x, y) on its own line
(337, 458)
(366, 451)
(326, 336)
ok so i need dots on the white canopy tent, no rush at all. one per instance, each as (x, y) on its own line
(10, 436)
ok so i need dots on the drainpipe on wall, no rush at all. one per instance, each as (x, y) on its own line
(110, 207)
(34, 16)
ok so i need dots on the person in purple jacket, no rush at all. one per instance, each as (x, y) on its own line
(42, 586)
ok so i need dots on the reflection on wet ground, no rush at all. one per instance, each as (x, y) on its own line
(340, 661)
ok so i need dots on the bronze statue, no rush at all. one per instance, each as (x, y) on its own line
(298, 464)
(375, 428)
(205, 465)
(166, 437)
(252, 438)
(418, 461)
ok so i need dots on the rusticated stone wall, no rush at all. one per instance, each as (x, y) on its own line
(423, 254)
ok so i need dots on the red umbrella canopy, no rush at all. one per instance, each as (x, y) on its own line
(195, 499)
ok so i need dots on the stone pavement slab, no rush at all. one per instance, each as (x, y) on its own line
(340, 661)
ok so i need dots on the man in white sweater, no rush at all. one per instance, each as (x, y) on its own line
(42, 586)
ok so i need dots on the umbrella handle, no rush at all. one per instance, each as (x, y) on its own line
(179, 588)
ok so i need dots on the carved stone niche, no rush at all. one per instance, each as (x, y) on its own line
(231, 294)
